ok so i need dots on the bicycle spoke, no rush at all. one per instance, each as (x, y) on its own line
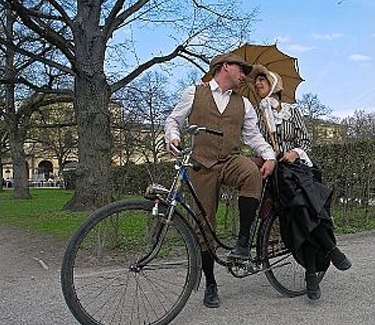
(282, 270)
(104, 284)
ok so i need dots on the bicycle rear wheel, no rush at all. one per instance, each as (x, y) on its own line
(282, 270)
(110, 276)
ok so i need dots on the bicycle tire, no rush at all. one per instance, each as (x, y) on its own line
(100, 284)
(283, 272)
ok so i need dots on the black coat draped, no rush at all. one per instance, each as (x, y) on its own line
(304, 204)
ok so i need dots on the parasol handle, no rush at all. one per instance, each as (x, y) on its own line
(272, 136)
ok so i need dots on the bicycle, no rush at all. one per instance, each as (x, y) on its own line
(137, 261)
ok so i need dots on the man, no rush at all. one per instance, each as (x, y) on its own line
(218, 106)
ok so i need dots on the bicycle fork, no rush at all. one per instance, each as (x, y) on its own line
(159, 238)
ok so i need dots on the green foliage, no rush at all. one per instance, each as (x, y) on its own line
(349, 169)
(357, 220)
(134, 179)
(69, 178)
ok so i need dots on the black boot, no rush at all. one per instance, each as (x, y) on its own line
(247, 207)
(211, 297)
(339, 260)
(242, 249)
(312, 285)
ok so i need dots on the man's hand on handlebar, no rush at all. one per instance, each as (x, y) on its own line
(267, 168)
(175, 143)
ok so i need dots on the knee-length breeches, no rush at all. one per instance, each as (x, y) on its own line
(237, 171)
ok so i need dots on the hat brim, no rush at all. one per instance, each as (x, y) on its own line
(257, 70)
(247, 68)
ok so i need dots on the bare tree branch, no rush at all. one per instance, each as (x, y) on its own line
(40, 89)
(143, 67)
(36, 57)
(114, 22)
(62, 12)
(49, 34)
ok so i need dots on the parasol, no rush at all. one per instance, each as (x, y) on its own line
(274, 60)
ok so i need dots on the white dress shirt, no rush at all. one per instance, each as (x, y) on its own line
(250, 134)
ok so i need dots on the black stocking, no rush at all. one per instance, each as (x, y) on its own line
(247, 207)
(309, 258)
(208, 268)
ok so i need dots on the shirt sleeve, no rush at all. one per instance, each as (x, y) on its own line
(177, 119)
(251, 135)
(302, 136)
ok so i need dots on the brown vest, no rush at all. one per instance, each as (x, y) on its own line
(211, 148)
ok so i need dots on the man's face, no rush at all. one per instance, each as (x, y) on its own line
(235, 73)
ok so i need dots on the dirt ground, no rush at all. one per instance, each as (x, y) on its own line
(29, 279)
(30, 291)
(26, 245)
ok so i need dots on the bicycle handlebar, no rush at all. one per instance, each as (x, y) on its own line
(195, 129)
(183, 155)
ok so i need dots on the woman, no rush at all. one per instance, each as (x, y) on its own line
(306, 224)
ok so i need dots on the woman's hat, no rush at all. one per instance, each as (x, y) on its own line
(259, 69)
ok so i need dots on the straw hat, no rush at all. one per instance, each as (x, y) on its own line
(270, 76)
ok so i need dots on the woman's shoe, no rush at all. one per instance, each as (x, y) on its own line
(312, 285)
(338, 259)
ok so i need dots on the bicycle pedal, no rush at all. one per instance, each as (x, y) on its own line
(241, 268)
(238, 261)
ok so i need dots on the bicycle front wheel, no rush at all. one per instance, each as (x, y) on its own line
(114, 271)
(281, 269)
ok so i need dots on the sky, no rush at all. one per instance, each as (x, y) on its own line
(333, 40)
(334, 44)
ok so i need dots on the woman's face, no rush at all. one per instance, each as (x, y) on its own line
(262, 86)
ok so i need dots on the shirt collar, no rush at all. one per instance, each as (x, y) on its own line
(216, 88)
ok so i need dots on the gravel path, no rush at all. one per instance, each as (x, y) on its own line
(30, 291)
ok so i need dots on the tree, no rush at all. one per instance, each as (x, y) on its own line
(22, 96)
(54, 127)
(145, 104)
(360, 126)
(17, 127)
(314, 112)
(82, 30)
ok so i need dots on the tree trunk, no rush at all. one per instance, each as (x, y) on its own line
(16, 142)
(16, 130)
(93, 182)
(92, 96)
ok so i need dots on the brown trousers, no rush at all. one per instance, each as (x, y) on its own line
(237, 171)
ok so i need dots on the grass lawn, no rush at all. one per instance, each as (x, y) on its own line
(353, 219)
(42, 213)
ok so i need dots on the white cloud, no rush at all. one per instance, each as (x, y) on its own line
(327, 37)
(282, 39)
(300, 48)
(359, 58)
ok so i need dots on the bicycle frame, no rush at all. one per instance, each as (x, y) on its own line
(148, 275)
(172, 198)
